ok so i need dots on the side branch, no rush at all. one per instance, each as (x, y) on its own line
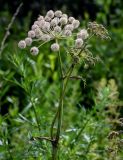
(42, 138)
(2, 46)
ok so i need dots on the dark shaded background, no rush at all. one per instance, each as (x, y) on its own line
(110, 10)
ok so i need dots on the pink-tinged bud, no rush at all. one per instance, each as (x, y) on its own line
(54, 22)
(36, 22)
(40, 18)
(83, 34)
(65, 15)
(78, 43)
(31, 34)
(28, 41)
(58, 13)
(45, 37)
(38, 33)
(47, 19)
(34, 26)
(41, 23)
(55, 47)
(34, 51)
(50, 14)
(76, 24)
(46, 27)
(67, 33)
(22, 44)
(57, 29)
(63, 20)
(69, 27)
(71, 19)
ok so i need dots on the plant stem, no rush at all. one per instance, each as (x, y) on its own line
(36, 116)
(78, 135)
(54, 151)
(59, 113)
(62, 85)
(61, 104)
(53, 122)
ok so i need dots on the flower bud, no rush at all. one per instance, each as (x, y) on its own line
(34, 51)
(46, 27)
(58, 13)
(63, 20)
(57, 29)
(38, 33)
(78, 43)
(67, 33)
(31, 34)
(22, 44)
(54, 22)
(47, 19)
(45, 37)
(71, 19)
(83, 34)
(76, 24)
(55, 47)
(65, 15)
(69, 27)
(36, 23)
(50, 14)
(40, 18)
(34, 26)
(28, 41)
(41, 23)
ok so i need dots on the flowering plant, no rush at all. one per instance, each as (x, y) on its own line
(55, 27)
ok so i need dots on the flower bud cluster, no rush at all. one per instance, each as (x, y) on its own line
(98, 30)
(81, 36)
(52, 26)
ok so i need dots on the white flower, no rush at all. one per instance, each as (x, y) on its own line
(65, 15)
(40, 18)
(76, 23)
(38, 33)
(67, 33)
(28, 41)
(48, 19)
(69, 27)
(55, 47)
(57, 29)
(71, 19)
(63, 20)
(52, 26)
(50, 14)
(54, 22)
(34, 26)
(36, 22)
(83, 34)
(58, 13)
(41, 23)
(46, 27)
(45, 37)
(78, 43)
(31, 34)
(34, 51)
(22, 44)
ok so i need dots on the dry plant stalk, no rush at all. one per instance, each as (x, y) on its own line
(2, 46)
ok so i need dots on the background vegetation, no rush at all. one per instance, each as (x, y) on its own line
(91, 113)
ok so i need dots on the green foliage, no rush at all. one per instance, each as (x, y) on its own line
(25, 80)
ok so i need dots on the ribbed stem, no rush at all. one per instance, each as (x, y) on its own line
(59, 114)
